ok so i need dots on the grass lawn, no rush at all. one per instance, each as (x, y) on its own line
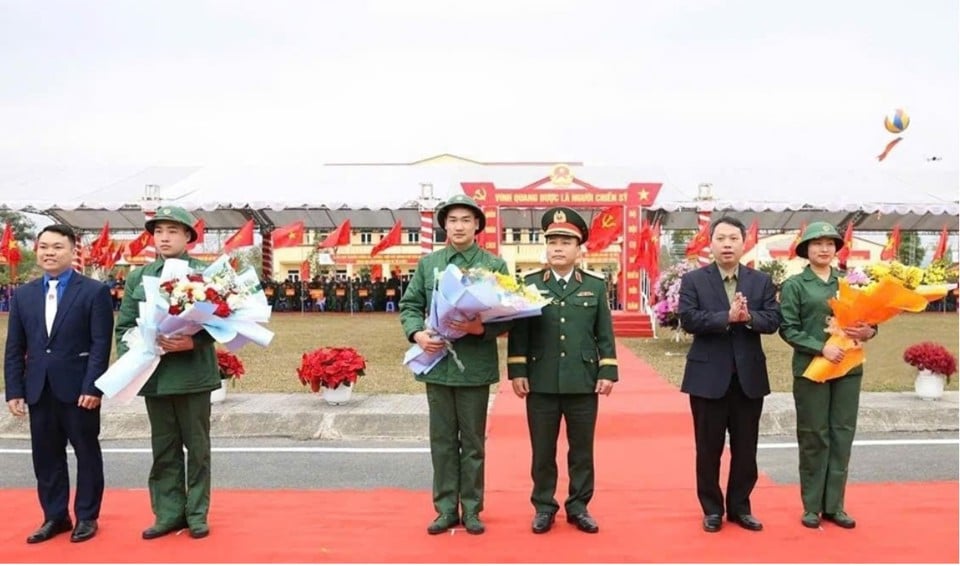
(380, 339)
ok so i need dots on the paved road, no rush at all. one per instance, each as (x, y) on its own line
(282, 463)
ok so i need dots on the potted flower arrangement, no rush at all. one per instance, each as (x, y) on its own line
(935, 364)
(231, 368)
(667, 308)
(333, 370)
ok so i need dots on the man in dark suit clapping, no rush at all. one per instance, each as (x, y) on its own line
(727, 306)
(58, 343)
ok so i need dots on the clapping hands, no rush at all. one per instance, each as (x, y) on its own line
(738, 309)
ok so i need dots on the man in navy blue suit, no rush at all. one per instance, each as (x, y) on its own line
(727, 306)
(58, 342)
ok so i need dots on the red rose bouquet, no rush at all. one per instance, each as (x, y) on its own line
(229, 365)
(330, 368)
(932, 357)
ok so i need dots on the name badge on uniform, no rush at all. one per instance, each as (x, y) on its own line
(585, 294)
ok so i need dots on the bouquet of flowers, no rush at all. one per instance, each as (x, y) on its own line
(230, 366)
(460, 296)
(873, 304)
(330, 368)
(229, 306)
(667, 308)
(930, 283)
(932, 357)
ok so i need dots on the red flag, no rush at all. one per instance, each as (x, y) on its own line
(844, 254)
(699, 242)
(9, 248)
(376, 271)
(305, 270)
(892, 248)
(606, 227)
(887, 149)
(653, 259)
(391, 239)
(793, 244)
(242, 238)
(100, 246)
(288, 236)
(111, 255)
(140, 243)
(200, 227)
(752, 236)
(941, 245)
(339, 237)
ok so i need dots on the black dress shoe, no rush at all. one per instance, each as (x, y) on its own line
(50, 529)
(712, 523)
(746, 521)
(84, 531)
(200, 531)
(584, 522)
(157, 531)
(542, 522)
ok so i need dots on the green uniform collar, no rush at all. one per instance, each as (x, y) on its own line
(468, 254)
(808, 275)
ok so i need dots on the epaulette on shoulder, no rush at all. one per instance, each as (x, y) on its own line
(599, 276)
(528, 275)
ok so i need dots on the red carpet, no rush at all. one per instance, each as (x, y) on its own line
(645, 503)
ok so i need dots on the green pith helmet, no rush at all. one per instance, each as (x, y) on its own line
(564, 221)
(815, 231)
(174, 214)
(464, 201)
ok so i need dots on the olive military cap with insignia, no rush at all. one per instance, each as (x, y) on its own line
(564, 221)
(816, 231)
(463, 201)
(176, 215)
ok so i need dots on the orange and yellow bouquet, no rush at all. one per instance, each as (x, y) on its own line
(892, 289)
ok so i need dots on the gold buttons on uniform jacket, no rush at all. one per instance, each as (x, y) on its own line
(562, 320)
(562, 303)
(562, 337)
(562, 354)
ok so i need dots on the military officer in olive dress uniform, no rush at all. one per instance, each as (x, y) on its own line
(560, 362)
(177, 395)
(457, 399)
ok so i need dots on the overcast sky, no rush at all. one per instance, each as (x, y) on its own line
(666, 82)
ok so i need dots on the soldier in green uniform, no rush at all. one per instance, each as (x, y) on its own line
(457, 398)
(177, 395)
(826, 412)
(560, 362)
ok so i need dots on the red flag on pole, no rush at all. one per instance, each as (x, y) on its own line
(892, 248)
(339, 237)
(752, 236)
(200, 227)
(376, 271)
(139, 244)
(793, 244)
(242, 238)
(941, 245)
(391, 239)
(305, 271)
(288, 236)
(10, 249)
(605, 228)
(699, 242)
(844, 254)
(100, 246)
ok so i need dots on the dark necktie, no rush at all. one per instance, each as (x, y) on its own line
(562, 283)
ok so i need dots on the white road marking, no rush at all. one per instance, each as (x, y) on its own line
(426, 450)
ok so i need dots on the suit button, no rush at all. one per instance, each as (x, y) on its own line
(48, 350)
(563, 354)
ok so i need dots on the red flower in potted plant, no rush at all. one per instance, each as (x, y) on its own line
(330, 368)
(932, 357)
(229, 365)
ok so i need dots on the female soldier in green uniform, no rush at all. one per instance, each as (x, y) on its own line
(177, 395)
(457, 398)
(826, 412)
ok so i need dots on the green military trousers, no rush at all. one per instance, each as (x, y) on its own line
(178, 493)
(579, 411)
(458, 424)
(826, 424)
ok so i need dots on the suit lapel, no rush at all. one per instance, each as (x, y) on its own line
(69, 295)
(572, 285)
(715, 281)
(38, 296)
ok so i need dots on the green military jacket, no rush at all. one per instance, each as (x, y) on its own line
(193, 371)
(804, 311)
(478, 353)
(571, 345)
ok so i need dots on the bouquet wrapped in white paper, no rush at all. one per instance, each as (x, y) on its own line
(230, 306)
(459, 296)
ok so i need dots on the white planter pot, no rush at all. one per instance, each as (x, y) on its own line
(929, 385)
(219, 395)
(338, 395)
